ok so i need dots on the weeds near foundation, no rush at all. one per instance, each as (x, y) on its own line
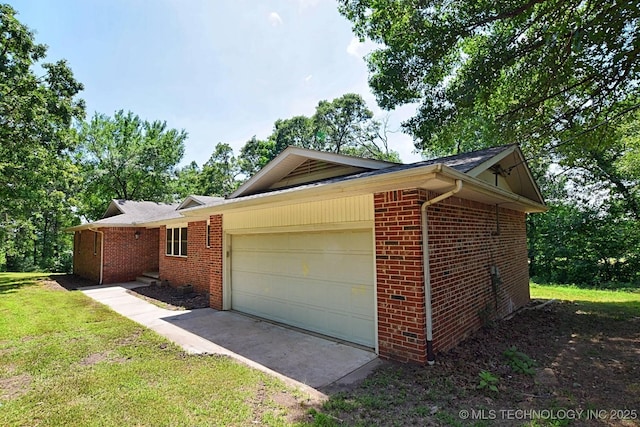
(519, 361)
(488, 382)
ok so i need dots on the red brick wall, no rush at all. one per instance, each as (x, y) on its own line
(126, 257)
(462, 248)
(202, 267)
(86, 263)
(215, 273)
(399, 273)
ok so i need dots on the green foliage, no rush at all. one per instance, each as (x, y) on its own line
(488, 70)
(344, 125)
(519, 361)
(125, 157)
(488, 382)
(38, 105)
(218, 176)
(255, 154)
(588, 246)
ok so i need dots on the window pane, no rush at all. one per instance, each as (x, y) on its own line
(169, 234)
(208, 235)
(176, 241)
(184, 242)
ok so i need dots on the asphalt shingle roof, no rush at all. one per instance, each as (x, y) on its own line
(141, 212)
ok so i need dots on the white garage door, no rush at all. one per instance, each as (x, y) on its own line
(322, 282)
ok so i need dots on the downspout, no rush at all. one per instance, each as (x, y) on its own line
(427, 272)
(101, 233)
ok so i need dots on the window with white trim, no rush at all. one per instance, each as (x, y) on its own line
(177, 241)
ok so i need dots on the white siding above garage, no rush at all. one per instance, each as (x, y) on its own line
(346, 212)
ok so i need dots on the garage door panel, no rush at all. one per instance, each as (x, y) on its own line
(322, 282)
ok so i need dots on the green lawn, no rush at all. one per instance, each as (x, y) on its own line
(67, 360)
(617, 304)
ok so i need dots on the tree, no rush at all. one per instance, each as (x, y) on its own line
(37, 110)
(344, 125)
(255, 154)
(218, 176)
(299, 131)
(491, 72)
(345, 122)
(187, 181)
(125, 157)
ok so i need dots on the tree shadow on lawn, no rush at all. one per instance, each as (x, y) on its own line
(10, 282)
(586, 358)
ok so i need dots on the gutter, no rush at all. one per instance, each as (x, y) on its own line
(95, 230)
(431, 359)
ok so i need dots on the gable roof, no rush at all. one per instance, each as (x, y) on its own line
(497, 175)
(516, 188)
(194, 201)
(136, 209)
(295, 165)
(129, 213)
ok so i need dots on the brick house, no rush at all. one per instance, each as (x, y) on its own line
(404, 259)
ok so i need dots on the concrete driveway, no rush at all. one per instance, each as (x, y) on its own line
(294, 356)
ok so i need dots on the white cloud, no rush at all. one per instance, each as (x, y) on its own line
(308, 78)
(274, 19)
(358, 48)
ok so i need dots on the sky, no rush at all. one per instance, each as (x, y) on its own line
(223, 70)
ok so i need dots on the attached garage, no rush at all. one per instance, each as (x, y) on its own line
(318, 281)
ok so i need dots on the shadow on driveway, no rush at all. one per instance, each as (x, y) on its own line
(309, 359)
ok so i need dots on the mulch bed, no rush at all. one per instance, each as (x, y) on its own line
(171, 298)
(162, 295)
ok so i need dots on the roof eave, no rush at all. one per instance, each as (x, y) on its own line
(94, 226)
(436, 177)
(371, 164)
(502, 196)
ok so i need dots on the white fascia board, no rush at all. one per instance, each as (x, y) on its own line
(484, 187)
(93, 226)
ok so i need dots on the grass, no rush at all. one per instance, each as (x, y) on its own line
(67, 360)
(621, 305)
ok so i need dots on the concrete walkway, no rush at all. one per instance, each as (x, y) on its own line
(300, 359)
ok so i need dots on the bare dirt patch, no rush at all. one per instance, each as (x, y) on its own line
(51, 285)
(282, 404)
(15, 386)
(94, 358)
(105, 356)
(583, 362)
